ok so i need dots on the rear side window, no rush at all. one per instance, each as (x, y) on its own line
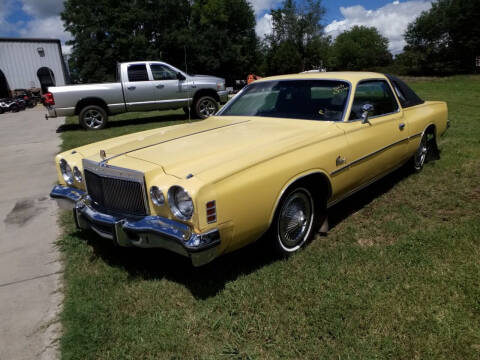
(405, 94)
(377, 93)
(137, 72)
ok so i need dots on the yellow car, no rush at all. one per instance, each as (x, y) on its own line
(273, 159)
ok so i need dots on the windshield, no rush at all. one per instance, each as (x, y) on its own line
(295, 99)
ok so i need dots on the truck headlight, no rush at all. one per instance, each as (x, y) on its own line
(180, 202)
(220, 86)
(66, 171)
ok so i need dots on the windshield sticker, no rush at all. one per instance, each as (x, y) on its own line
(340, 89)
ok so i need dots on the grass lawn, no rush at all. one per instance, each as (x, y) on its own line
(398, 275)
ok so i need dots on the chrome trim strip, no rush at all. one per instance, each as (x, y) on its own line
(372, 154)
(173, 139)
(157, 102)
(416, 135)
(116, 172)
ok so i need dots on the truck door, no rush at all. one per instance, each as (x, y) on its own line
(170, 91)
(139, 90)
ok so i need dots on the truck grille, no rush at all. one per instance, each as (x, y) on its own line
(117, 195)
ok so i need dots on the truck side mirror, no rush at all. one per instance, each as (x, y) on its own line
(180, 76)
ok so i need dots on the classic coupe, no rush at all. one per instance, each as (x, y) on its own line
(273, 159)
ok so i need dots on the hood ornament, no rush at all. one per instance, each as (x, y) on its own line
(103, 154)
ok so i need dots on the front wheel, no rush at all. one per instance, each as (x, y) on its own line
(93, 117)
(205, 106)
(294, 222)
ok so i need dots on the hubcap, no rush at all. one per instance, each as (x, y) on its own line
(421, 153)
(206, 108)
(93, 119)
(295, 220)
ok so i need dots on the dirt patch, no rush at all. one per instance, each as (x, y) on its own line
(24, 211)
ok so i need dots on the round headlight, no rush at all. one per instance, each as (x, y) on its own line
(180, 202)
(77, 174)
(157, 196)
(66, 172)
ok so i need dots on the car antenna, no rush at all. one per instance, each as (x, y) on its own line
(189, 90)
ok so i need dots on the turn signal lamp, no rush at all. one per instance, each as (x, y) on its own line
(211, 212)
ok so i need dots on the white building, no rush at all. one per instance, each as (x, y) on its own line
(31, 63)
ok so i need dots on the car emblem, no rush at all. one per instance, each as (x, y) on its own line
(103, 154)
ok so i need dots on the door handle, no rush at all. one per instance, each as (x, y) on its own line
(160, 86)
(131, 87)
(401, 126)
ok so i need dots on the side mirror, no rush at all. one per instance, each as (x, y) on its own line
(180, 76)
(366, 108)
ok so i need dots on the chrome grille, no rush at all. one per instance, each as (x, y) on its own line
(113, 193)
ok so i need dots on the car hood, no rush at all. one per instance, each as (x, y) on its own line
(213, 148)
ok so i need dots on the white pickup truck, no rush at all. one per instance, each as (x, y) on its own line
(142, 86)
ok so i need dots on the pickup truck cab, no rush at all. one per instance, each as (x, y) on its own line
(142, 86)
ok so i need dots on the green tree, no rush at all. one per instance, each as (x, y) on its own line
(297, 41)
(109, 31)
(360, 48)
(445, 39)
(218, 36)
(223, 40)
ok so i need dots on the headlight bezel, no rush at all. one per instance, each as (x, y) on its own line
(174, 206)
(77, 174)
(66, 172)
(157, 196)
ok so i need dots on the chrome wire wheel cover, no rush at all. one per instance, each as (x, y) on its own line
(421, 153)
(206, 108)
(295, 220)
(93, 119)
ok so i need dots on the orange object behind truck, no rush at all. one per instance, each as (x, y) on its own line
(252, 77)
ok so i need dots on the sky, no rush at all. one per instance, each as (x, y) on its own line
(41, 18)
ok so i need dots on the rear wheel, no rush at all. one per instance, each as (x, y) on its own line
(295, 221)
(93, 117)
(205, 106)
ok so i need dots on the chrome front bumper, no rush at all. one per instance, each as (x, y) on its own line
(144, 232)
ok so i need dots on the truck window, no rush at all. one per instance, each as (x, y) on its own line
(137, 72)
(162, 72)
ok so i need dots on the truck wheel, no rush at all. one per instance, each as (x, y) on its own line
(205, 106)
(93, 117)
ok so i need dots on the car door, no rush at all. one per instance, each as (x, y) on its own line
(168, 88)
(379, 145)
(139, 90)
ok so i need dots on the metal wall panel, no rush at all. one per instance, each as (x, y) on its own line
(21, 60)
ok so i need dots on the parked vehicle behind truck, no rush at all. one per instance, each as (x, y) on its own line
(141, 86)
